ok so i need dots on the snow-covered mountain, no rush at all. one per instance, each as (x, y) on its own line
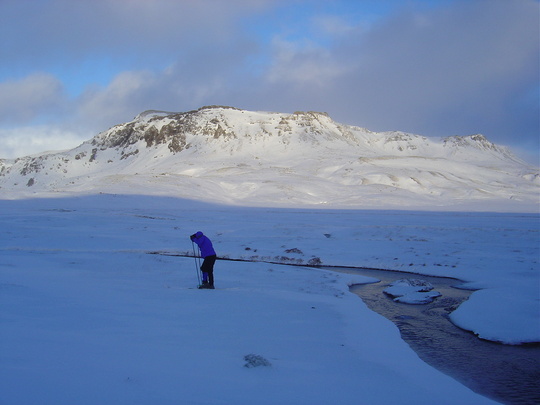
(224, 154)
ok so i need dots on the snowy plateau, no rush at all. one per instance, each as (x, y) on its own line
(97, 275)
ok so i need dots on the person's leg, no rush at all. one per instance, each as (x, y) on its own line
(211, 277)
(208, 268)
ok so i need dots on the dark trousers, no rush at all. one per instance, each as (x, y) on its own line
(208, 267)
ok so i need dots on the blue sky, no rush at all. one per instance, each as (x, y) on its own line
(71, 69)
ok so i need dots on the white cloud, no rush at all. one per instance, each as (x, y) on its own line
(132, 92)
(24, 141)
(459, 68)
(336, 26)
(129, 32)
(26, 99)
(116, 100)
(303, 64)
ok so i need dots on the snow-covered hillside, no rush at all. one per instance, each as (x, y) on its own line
(223, 154)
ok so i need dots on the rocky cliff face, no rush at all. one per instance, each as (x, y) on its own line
(261, 157)
(224, 124)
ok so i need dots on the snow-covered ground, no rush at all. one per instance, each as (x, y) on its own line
(89, 316)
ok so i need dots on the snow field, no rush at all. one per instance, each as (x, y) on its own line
(121, 327)
(89, 316)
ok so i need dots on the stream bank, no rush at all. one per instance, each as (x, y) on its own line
(505, 373)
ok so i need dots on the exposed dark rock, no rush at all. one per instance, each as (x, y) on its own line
(254, 360)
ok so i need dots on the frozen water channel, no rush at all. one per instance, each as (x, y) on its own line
(505, 373)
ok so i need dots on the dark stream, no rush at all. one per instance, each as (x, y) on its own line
(505, 373)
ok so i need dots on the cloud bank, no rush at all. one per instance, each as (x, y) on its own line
(447, 68)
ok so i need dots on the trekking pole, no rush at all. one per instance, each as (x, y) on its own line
(196, 263)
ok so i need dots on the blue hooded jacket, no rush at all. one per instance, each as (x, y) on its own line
(204, 244)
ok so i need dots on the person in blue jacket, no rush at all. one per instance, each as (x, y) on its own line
(209, 258)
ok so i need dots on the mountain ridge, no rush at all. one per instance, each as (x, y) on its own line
(267, 158)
